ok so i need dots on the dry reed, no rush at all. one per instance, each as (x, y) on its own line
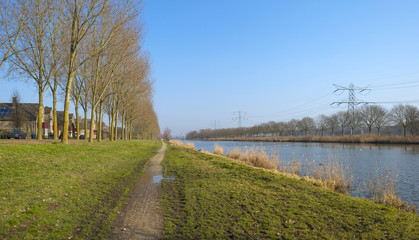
(383, 189)
(190, 145)
(235, 154)
(218, 150)
(256, 157)
(175, 142)
(331, 175)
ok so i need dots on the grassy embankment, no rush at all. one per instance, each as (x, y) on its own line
(364, 138)
(215, 198)
(55, 191)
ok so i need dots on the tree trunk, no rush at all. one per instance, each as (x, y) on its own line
(85, 123)
(54, 113)
(99, 129)
(40, 113)
(130, 131)
(67, 108)
(116, 125)
(110, 130)
(123, 125)
(92, 119)
(76, 108)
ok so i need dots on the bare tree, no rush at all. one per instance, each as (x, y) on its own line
(306, 124)
(381, 117)
(354, 121)
(292, 126)
(83, 16)
(54, 64)
(31, 49)
(322, 121)
(167, 134)
(372, 115)
(398, 116)
(12, 20)
(412, 119)
(342, 120)
(333, 123)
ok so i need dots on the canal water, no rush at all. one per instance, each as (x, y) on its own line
(365, 162)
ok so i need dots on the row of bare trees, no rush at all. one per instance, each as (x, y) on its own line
(90, 51)
(370, 118)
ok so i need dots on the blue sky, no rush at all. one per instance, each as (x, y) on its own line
(273, 60)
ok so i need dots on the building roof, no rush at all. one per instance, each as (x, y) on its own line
(27, 111)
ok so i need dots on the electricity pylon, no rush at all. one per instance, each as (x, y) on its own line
(352, 100)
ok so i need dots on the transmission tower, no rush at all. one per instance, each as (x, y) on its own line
(239, 117)
(352, 100)
(214, 124)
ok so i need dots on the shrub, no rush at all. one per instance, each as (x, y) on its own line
(235, 154)
(218, 150)
(190, 145)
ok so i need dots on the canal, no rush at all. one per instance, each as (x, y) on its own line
(365, 162)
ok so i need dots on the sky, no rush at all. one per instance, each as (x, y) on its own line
(271, 60)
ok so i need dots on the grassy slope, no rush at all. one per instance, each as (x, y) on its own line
(215, 198)
(55, 191)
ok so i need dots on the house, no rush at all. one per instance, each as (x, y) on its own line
(47, 123)
(71, 124)
(87, 133)
(24, 116)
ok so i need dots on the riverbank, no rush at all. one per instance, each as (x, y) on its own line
(58, 191)
(214, 198)
(372, 139)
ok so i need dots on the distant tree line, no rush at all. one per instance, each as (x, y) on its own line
(399, 120)
(91, 52)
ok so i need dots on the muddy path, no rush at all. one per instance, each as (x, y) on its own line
(141, 218)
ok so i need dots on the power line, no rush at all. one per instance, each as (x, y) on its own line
(397, 85)
(294, 107)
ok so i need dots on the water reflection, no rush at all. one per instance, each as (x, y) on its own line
(159, 178)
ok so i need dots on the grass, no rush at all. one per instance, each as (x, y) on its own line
(56, 191)
(332, 175)
(216, 198)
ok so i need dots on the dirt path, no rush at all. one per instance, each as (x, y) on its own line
(141, 218)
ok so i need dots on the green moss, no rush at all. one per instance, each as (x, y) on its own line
(214, 198)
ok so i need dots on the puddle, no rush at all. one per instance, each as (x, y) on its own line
(159, 178)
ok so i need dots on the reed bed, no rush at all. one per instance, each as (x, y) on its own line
(332, 175)
(176, 142)
(190, 145)
(383, 187)
(218, 150)
(235, 153)
(258, 157)
(360, 138)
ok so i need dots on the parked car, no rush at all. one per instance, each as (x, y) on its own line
(82, 136)
(16, 134)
